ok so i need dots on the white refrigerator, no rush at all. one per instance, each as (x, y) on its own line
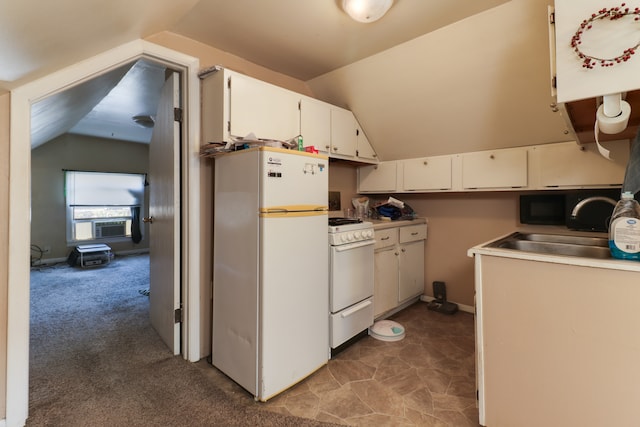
(270, 268)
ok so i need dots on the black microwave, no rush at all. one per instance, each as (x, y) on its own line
(542, 209)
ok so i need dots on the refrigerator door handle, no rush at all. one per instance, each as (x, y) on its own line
(356, 308)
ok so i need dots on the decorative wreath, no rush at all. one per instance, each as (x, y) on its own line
(613, 14)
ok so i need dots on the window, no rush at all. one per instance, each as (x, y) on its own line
(102, 205)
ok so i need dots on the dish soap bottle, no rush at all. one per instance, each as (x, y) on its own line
(624, 228)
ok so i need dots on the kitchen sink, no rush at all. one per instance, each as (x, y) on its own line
(556, 244)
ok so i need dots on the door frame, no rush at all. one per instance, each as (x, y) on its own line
(17, 401)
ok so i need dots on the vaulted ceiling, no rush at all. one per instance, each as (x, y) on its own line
(301, 39)
(431, 77)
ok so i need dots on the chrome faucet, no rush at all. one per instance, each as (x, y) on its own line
(583, 202)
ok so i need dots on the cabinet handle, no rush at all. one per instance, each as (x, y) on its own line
(355, 309)
(385, 238)
(415, 233)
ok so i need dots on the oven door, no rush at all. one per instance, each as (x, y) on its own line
(351, 278)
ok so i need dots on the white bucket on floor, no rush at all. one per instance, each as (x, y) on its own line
(387, 330)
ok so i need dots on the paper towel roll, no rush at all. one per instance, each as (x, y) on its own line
(617, 124)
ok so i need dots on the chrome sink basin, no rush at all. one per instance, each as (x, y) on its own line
(556, 244)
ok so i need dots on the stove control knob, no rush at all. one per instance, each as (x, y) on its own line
(368, 234)
(358, 235)
(349, 237)
(343, 237)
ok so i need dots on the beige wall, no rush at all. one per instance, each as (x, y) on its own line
(210, 56)
(342, 178)
(458, 222)
(76, 152)
(4, 243)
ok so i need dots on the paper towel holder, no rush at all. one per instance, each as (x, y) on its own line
(613, 114)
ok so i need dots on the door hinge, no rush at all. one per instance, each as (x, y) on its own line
(177, 315)
(177, 114)
(552, 18)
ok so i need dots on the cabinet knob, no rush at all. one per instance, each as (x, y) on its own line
(492, 156)
(335, 148)
(397, 253)
(326, 146)
(425, 163)
(403, 250)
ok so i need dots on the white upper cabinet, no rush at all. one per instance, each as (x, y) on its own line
(506, 168)
(235, 105)
(427, 174)
(379, 178)
(344, 140)
(364, 149)
(266, 110)
(570, 165)
(315, 124)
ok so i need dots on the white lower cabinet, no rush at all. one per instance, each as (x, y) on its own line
(399, 266)
(385, 292)
(411, 265)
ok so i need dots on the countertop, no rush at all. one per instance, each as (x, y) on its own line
(612, 264)
(380, 224)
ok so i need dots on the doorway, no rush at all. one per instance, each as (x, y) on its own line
(19, 202)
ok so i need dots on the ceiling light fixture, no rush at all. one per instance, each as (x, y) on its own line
(366, 10)
(146, 121)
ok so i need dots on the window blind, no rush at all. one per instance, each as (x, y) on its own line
(103, 189)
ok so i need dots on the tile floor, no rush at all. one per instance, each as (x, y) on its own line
(426, 379)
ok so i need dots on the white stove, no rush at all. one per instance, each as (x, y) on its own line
(351, 244)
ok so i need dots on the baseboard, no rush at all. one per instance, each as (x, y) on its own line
(461, 307)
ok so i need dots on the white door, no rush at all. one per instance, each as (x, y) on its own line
(164, 213)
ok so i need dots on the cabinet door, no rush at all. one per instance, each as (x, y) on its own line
(429, 173)
(495, 169)
(343, 132)
(266, 110)
(568, 164)
(365, 150)
(411, 265)
(380, 178)
(385, 294)
(315, 124)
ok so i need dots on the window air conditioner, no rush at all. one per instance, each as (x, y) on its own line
(109, 229)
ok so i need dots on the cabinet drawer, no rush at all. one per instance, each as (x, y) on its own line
(412, 233)
(351, 321)
(386, 237)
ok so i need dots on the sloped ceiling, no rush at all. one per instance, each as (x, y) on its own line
(432, 77)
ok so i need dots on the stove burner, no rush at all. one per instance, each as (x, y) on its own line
(342, 221)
